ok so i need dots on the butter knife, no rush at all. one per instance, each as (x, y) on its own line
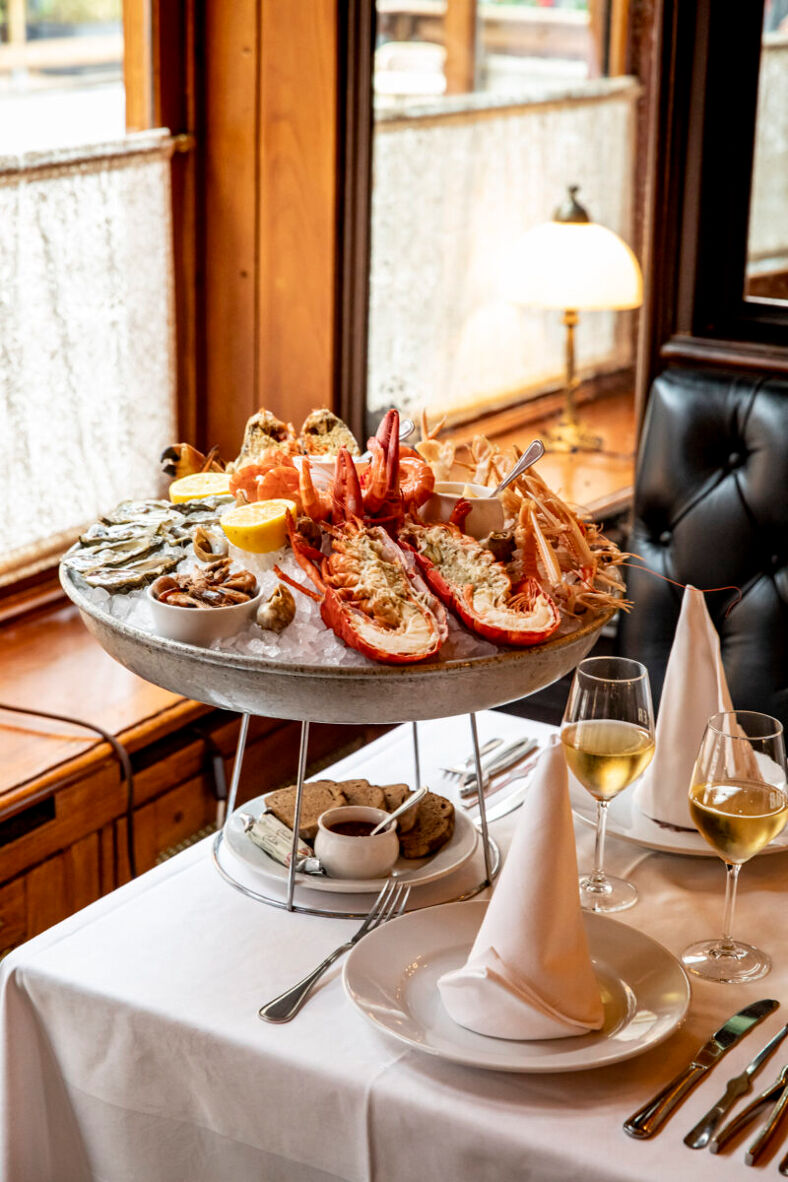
(645, 1122)
(738, 1086)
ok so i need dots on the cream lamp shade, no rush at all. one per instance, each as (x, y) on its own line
(572, 262)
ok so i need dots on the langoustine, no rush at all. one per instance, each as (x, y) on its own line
(396, 481)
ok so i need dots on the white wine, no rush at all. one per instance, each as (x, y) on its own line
(607, 755)
(738, 817)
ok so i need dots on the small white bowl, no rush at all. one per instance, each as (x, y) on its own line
(344, 856)
(201, 625)
(485, 517)
(324, 468)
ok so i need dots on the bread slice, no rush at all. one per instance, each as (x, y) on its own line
(396, 794)
(434, 827)
(319, 795)
(362, 792)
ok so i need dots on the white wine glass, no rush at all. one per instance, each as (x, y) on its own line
(738, 803)
(608, 738)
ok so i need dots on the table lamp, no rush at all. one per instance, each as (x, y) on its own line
(573, 263)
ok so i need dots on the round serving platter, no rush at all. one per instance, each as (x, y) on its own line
(324, 693)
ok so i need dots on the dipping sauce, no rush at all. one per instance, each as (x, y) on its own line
(352, 828)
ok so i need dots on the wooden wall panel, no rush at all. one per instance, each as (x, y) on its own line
(297, 208)
(229, 168)
(269, 227)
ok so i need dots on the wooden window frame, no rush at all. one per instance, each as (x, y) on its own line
(624, 27)
(702, 145)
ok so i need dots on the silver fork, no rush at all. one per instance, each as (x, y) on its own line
(390, 903)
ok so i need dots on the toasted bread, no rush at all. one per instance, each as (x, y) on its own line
(433, 828)
(396, 794)
(319, 795)
(362, 792)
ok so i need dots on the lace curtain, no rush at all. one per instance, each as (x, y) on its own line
(87, 362)
(453, 190)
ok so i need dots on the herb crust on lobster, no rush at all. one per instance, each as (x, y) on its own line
(367, 595)
(467, 578)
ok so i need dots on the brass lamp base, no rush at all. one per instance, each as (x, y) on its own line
(569, 435)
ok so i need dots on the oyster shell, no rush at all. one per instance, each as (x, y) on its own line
(120, 553)
(126, 578)
(148, 513)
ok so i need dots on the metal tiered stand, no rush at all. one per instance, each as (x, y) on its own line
(380, 694)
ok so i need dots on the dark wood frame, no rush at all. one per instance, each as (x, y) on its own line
(355, 45)
(702, 145)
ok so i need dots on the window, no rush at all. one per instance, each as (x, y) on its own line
(484, 113)
(61, 73)
(87, 342)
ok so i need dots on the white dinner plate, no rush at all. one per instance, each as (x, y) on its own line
(416, 871)
(625, 820)
(391, 977)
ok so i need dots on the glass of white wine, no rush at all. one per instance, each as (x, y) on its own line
(738, 802)
(608, 738)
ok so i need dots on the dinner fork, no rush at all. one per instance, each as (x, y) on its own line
(390, 903)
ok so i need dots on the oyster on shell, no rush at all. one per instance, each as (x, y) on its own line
(135, 574)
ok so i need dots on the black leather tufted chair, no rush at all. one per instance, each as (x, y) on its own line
(711, 508)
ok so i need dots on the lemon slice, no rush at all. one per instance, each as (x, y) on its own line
(260, 527)
(200, 484)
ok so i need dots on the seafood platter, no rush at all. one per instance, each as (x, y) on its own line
(306, 580)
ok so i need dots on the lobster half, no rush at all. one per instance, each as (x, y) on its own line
(467, 578)
(367, 595)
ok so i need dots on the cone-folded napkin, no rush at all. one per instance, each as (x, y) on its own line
(529, 972)
(694, 689)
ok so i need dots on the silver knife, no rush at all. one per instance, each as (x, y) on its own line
(498, 763)
(740, 1085)
(510, 802)
(645, 1122)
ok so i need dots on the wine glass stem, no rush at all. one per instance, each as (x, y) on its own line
(731, 880)
(599, 844)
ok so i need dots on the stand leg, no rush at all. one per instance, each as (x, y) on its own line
(416, 763)
(297, 817)
(477, 759)
(237, 765)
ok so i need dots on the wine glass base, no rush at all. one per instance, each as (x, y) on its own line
(609, 894)
(729, 965)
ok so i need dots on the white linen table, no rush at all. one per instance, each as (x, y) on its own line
(132, 1050)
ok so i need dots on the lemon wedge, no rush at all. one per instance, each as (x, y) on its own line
(200, 484)
(260, 527)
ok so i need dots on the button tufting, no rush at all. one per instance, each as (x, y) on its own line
(734, 460)
(665, 537)
(775, 560)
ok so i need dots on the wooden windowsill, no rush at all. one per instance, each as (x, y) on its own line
(51, 663)
(600, 482)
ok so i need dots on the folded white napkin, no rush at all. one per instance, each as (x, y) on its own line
(695, 688)
(529, 974)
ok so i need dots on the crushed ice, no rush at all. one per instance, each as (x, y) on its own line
(307, 641)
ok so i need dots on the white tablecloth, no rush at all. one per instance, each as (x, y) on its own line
(132, 1050)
